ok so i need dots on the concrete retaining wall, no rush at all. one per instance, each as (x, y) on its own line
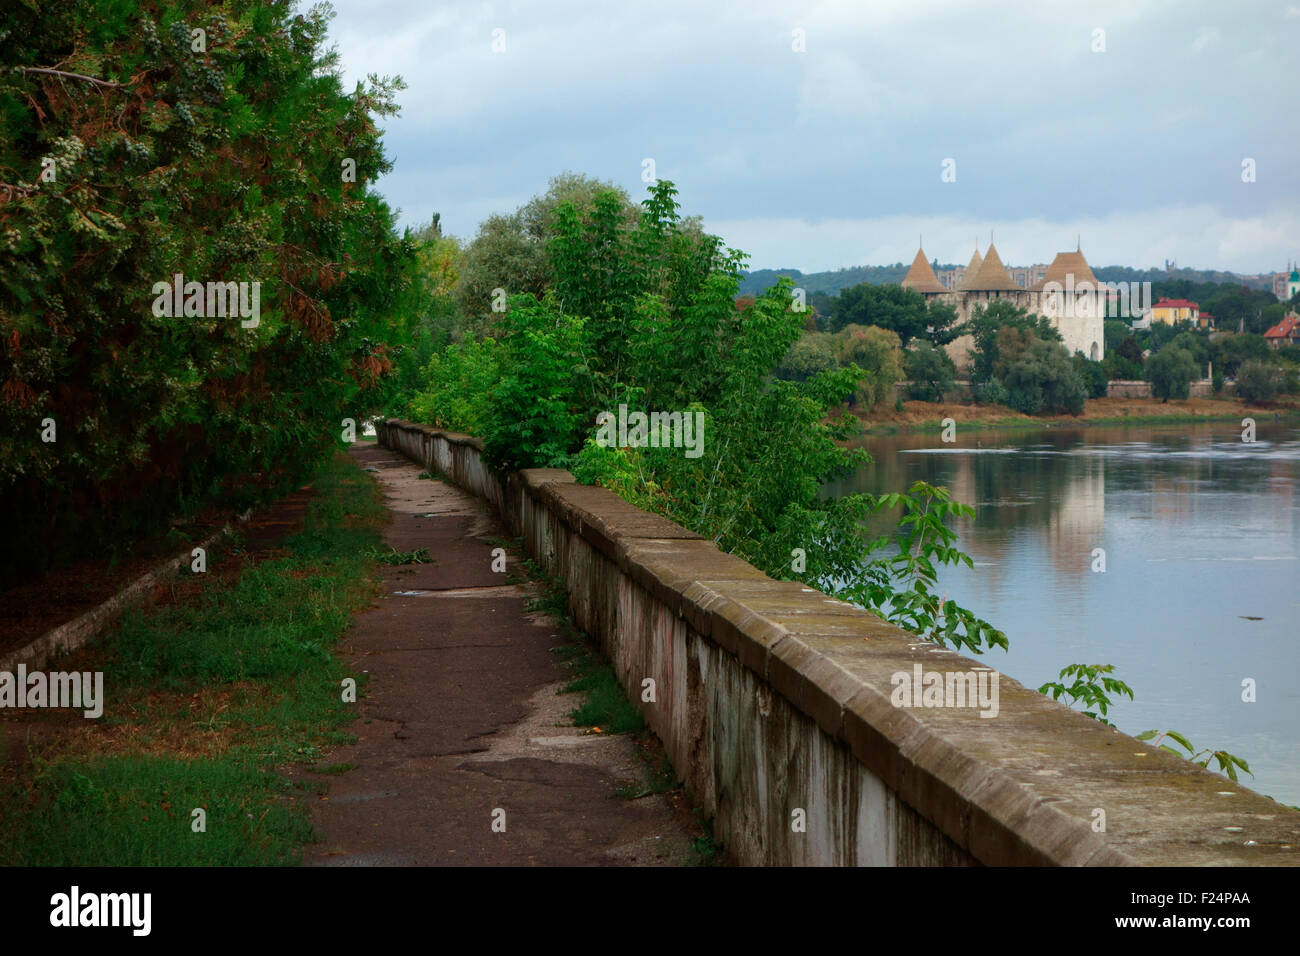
(1134, 389)
(773, 702)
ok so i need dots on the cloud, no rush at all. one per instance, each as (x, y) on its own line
(854, 129)
(1194, 236)
(1206, 37)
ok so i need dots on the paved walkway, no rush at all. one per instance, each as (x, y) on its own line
(461, 716)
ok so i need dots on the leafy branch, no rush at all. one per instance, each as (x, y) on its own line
(1227, 763)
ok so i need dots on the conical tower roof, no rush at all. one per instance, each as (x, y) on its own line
(1064, 265)
(974, 267)
(921, 276)
(992, 275)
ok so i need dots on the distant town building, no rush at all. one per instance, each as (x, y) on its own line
(1175, 310)
(1066, 292)
(1023, 276)
(1286, 284)
(1286, 332)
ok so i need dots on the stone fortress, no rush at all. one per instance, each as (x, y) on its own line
(1067, 293)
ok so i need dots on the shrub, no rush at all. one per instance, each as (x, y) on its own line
(878, 353)
(1170, 371)
(1092, 374)
(457, 387)
(1258, 380)
(930, 371)
(1042, 378)
(992, 392)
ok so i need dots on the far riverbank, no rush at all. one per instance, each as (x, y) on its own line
(927, 416)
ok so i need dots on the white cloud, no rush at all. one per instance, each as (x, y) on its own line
(852, 131)
(1206, 37)
(1195, 236)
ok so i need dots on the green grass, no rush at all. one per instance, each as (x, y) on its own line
(604, 703)
(206, 698)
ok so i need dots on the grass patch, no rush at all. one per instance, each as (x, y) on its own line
(205, 699)
(604, 704)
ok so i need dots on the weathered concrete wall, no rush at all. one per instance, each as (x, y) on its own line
(773, 698)
(1134, 389)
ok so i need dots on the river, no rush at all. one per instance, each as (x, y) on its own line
(1201, 588)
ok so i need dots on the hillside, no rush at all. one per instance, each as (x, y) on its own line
(832, 281)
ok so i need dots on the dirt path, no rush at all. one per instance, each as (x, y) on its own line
(461, 717)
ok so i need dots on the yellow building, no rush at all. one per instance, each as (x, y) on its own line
(1175, 310)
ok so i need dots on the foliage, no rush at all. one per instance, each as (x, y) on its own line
(878, 354)
(1258, 381)
(510, 252)
(992, 392)
(814, 352)
(1092, 374)
(1228, 763)
(902, 311)
(1090, 684)
(1170, 371)
(930, 371)
(596, 339)
(457, 384)
(1229, 351)
(221, 165)
(900, 588)
(534, 415)
(1116, 331)
(986, 326)
(1118, 367)
(1041, 378)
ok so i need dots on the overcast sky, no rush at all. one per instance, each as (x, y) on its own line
(834, 156)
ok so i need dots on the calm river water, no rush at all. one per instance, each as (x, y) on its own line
(1201, 533)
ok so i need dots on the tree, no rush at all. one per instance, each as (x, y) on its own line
(1115, 333)
(1118, 367)
(811, 355)
(1196, 344)
(1092, 374)
(878, 353)
(510, 251)
(985, 325)
(1229, 351)
(1170, 371)
(1129, 350)
(930, 371)
(892, 307)
(1042, 378)
(1258, 381)
(246, 165)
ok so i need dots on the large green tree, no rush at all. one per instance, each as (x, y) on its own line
(1171, 371)
(902, 311)
(211, 140)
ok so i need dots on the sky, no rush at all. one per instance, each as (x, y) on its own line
(1130, 127)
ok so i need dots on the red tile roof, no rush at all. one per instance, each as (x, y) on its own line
(1175, 304)
(1287, 328)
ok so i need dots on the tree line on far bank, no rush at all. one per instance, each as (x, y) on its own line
(1018, 359)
